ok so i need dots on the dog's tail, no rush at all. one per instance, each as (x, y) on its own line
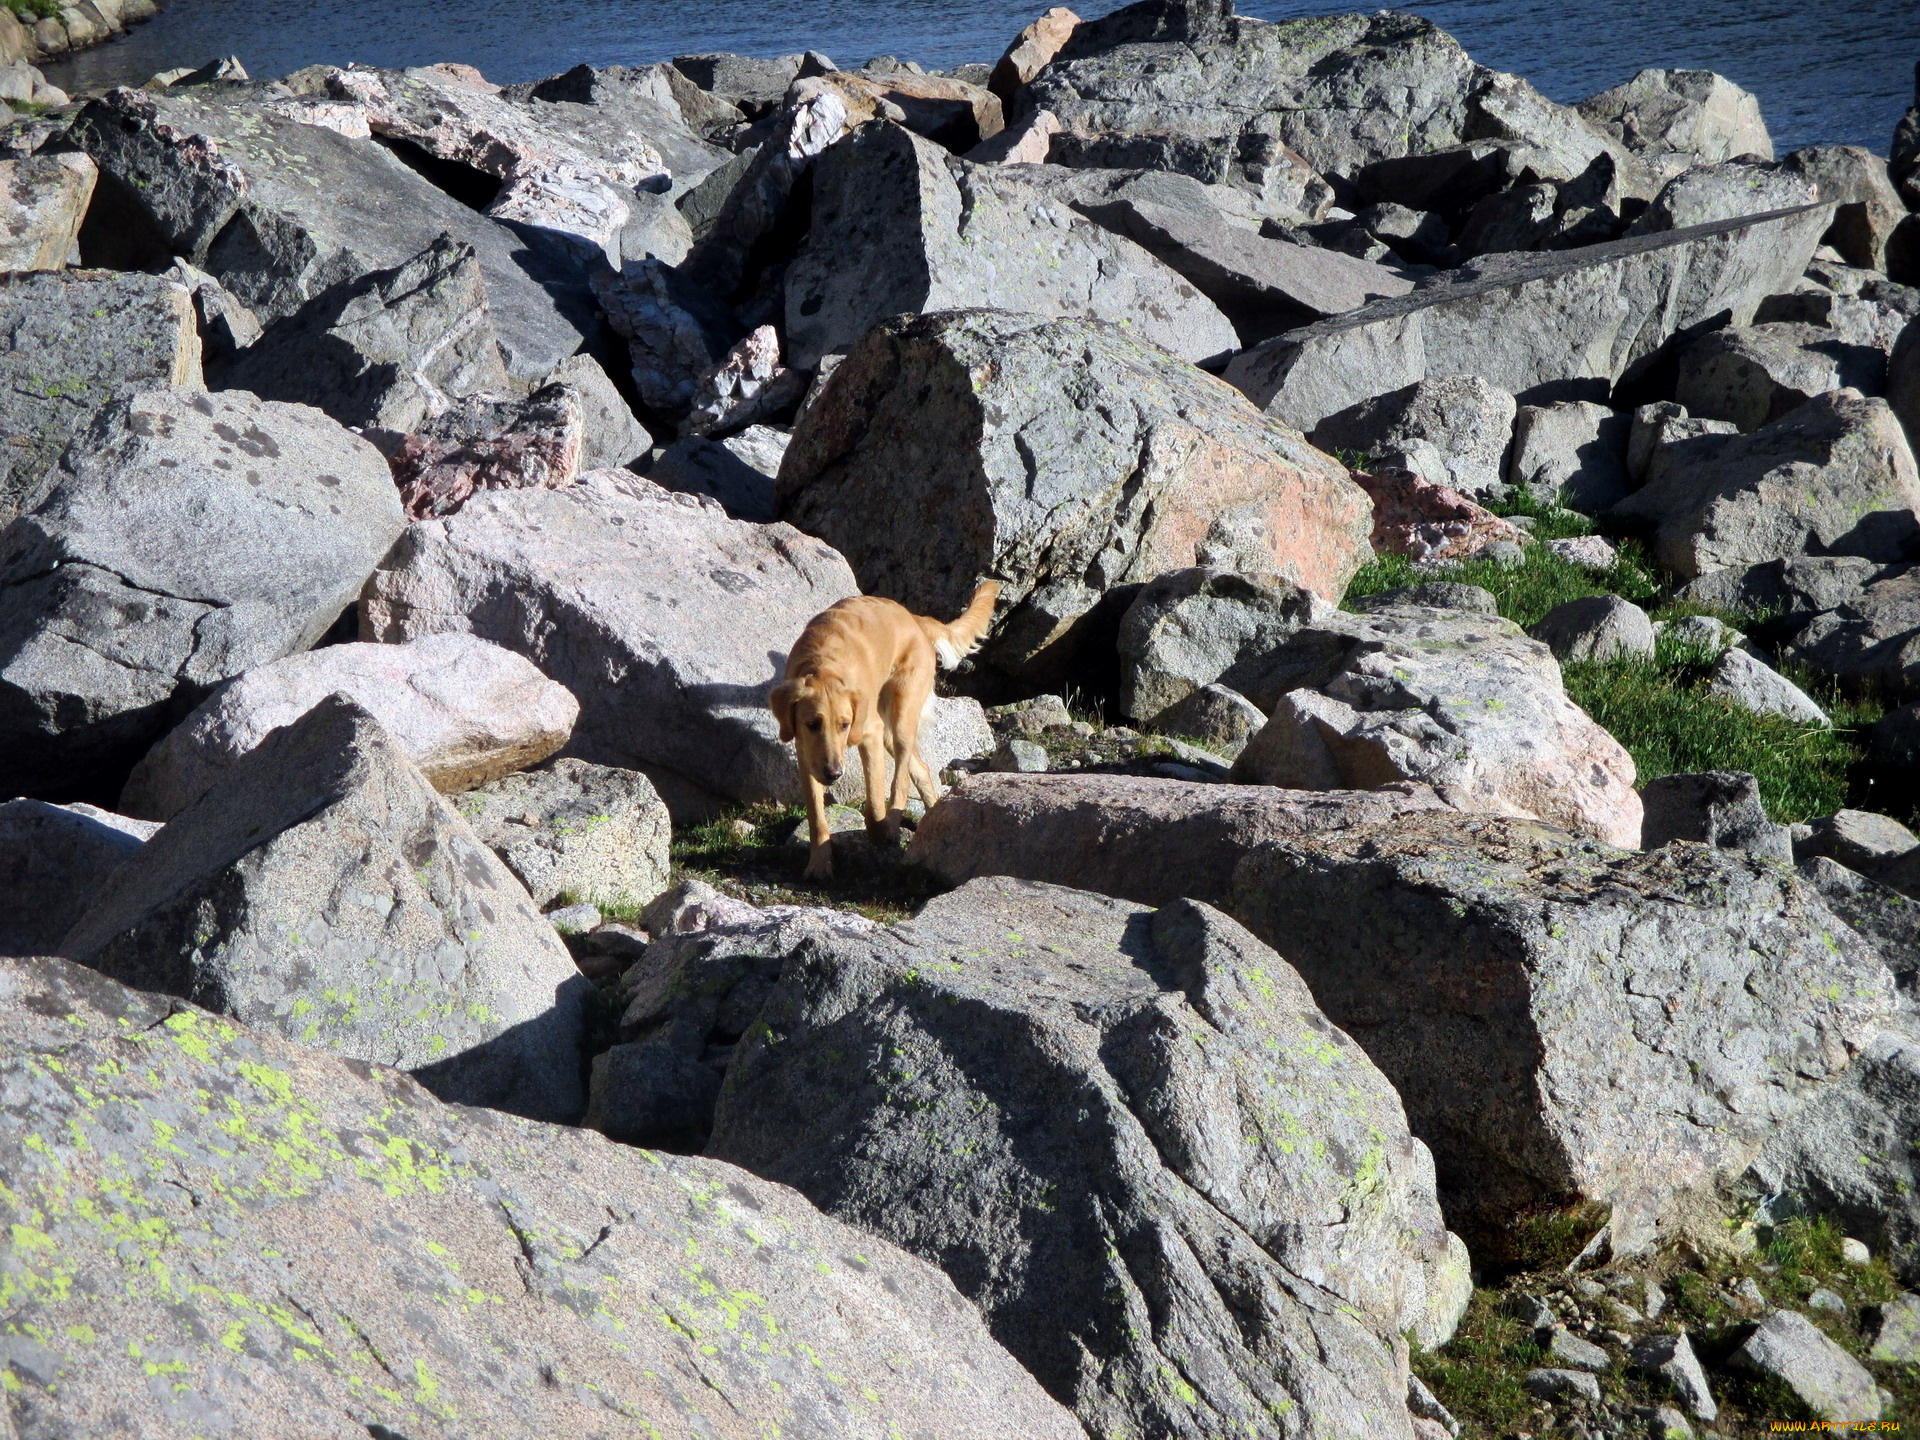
(954, 642)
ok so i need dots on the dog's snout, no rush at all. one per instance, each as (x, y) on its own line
(830, 773)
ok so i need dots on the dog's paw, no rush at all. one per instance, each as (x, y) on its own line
(819, 864)
(884, 832)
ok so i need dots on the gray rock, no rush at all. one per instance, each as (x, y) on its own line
(1221, 719)
(1873, 314)
(574, 919)
(280, 211)
(1654, 424)
(572, 829)
(43, 199)
(1570, 1352)
(439, 1233)
(388, 350)
(1859, 840)
(1464, 703)
(226, 325)
(1014, 756)
(936, 232)
(1790, 1348)
(1627, 974)
(53, 858)
(1526, 323)
(1896, 1339)
(1192, 627)
(1596, 627)
(1146, 839)
(1896, 737)
(1903, 379)
(745, 80)
(921, 1099)
(651, 101)
(1874, 907)
(1671, 1358)
(1430, 595)
(1714, 807)
(1759, 373)
(1669, 1424)
(322, 888)
(1754, 685)
(1833, 477)
(614, 575)
(1677, 119)
(1824, 1299)
(613, 437)
(1794, 590)
(79, 340)
(1858, 181)
(738, 471)
(1716, 193)
(1863, 638)
(1572, 454)
(1418, 235)
(1031, 717)
(1545, 1384)
(464, 711)
(184, 538)
(676, 330)
(922, 476)
(1467, 420)
(1705, 636)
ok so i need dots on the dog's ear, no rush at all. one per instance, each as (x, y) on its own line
(780, 701)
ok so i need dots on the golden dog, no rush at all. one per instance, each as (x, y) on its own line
(860, 677)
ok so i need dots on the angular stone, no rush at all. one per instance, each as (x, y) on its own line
(1855, 179)
(1464, 703)
(1754, 685)
(322, 1177)
(52, 860)
(1572, 454)
(938, 232)
(1031, 51)
(1570, 1351)
(613, 437)
(1790, 1348)
(615, 576)
(1189, 628)
(280, 211)
(1677, 119)
(676, 330)
(1869, 636)
(916, 1099)
(76, 341)
(1714, 807)
(43, 199)
(322, 888)
(1148, 466)
(184, 538)
(1717, 193)
(609, 108)
(1139, 838)
(573, 829)
(389, 350)
(1024, 142)
(745, 80)
(1564, 1019)
(1896, 737)
(1671, 1358)
(1596, 627)
(226, 325)
(1896, 1340)
(1546, 1384)
(1542, 327)
(749, 385)
(1756, 374)
(1795, 589)
(1214, 716)
(1467, 420)
(464, 711)
(739, 471)
(1859, 839)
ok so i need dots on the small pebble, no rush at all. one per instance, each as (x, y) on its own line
(1750, 1294)
(1021, 757)
(574, 919)
(742, 829)
(1855, 1252)
(1653, 1299)
(1670, 1424)
(1825, 1299)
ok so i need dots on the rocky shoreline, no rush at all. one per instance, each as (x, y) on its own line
(1421, 937)
(36, 30)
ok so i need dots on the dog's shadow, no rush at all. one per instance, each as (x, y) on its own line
(722, 696)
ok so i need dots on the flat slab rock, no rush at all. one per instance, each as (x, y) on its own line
(1148, 840)
(615, 577)
(323, 1248)
(1566, 1019)
(1560, 325)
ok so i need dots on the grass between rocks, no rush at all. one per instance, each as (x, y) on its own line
(1480, 1374)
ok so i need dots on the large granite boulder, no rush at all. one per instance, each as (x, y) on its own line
(76, 341)
(52, 860)
(464, 711)
(388, 349)
(1678, 119)
(575, 831)
(1572, 454)
(1567, 1020)
(1459, 424)
(280, 210)
(43, 199)
(1869, 637)
(324, 889)
(1199, 1207)
(669, 621)
(1714, 193)
(1464, 703)
(1193, 627)
(1856, 180)
(299, 1244)
(900, 226)
(616, 108)
(1065, 459)
(1136, 837)
(1833, 477)
(184, 538)
(1757, 373)
(1562, 325)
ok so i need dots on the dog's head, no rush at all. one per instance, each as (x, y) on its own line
(817, 713)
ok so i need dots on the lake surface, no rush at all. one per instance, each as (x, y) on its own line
(1840, 72)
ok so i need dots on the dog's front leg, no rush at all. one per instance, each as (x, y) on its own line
(819, 834)
(883, 827)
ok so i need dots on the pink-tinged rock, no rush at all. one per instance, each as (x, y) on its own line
(1415, 517)
(1131, 836)
(1032, 50)
(1024, 143)
(466, 712)
(533, 446)
(748, 386)
(1464, 703)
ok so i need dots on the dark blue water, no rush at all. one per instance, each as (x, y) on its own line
(1838, 72)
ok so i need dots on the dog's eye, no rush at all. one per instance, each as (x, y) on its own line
(846, 724)
(813, 724)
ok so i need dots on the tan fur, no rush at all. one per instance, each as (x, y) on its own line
(859, 677)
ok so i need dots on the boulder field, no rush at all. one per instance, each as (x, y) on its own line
(1378, 962)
